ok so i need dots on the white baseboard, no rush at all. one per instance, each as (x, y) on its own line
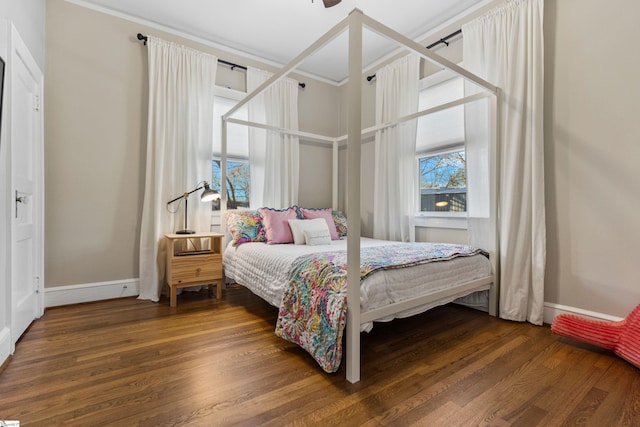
(5, 344)
(74, 294)
(551, 310)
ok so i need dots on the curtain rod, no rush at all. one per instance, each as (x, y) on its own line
(434, 44)
(143, 38)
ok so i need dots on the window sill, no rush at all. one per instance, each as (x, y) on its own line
(435, 220)
(216, 219)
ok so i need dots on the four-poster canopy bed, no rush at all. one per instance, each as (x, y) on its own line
(354, 23)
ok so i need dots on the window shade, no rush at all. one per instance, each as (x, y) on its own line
(445, 127)
(237, 135)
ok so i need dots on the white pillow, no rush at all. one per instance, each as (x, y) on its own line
(317, 237)
(299, 226)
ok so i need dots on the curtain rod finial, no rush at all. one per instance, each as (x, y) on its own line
(143, 38)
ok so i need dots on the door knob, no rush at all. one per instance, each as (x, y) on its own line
(20, 199)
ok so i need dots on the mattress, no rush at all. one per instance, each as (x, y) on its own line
(264, 270)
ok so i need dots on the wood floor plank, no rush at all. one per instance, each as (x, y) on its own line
(210, 362)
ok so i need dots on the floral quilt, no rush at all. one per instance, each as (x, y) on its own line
(313, 309)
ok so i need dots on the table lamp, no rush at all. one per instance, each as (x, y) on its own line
(207, 195)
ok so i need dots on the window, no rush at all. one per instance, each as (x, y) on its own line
(443, 182)
(238, 185)
(440, 148)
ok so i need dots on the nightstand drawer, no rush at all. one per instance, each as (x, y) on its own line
(196, 268)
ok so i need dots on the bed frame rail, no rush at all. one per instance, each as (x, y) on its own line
(378, 313)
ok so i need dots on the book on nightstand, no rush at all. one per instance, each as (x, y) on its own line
(187, 253)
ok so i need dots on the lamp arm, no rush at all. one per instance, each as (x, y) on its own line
(185, 195)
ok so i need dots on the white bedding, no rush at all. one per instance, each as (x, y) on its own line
(264, 270)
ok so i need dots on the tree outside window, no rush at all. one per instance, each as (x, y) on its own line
(238, 184)
(443, 182)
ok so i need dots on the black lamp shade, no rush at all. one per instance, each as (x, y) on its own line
(208, 194)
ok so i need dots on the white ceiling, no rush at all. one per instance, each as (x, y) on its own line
(278, 30)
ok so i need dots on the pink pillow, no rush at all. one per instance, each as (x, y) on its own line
(276, 224)
(322, 213)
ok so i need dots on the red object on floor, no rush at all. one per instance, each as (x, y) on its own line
(623, 337)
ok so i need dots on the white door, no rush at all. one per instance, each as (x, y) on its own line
(26, 145)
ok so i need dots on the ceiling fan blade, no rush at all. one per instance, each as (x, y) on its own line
(329, 3)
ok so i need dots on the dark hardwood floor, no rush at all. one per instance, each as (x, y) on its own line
(211, 362)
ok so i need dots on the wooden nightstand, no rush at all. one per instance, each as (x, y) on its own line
(193, 260)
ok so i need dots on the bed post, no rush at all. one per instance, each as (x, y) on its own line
(223, 180)
(354, 132)
(334, 177)
(494, 292)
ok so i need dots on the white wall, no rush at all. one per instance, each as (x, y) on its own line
(592, 144)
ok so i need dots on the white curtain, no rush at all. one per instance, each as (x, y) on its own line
(179, 150)
(505, 47)
(273, 156)
(395, 168)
